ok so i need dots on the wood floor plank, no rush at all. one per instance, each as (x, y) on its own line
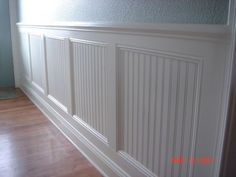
(30, 145)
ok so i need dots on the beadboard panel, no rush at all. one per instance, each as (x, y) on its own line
(37, 63)
(157, 97)
(136, 98)
(25, 56)
(55, 51)
(90, 83)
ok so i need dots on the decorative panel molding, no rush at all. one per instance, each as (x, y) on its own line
(56, 67)
(158, 102)
(37, 63)
(90, 83)
(25, 56)
(131, 109)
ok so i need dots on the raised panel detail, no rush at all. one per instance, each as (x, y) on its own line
(25, 58)
(157, 104)
(56, 67)
(37, 63)
(90, 83)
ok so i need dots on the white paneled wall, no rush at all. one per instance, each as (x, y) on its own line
(90, 83)
(25, 58)
(37, 63)
(56, 71)
(158, 94)
(131, 99)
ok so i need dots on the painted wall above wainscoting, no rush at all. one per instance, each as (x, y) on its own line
(125, 11)
(132, 97)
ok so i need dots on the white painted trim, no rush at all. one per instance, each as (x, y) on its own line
(55, 101)
(69, 75)
(190, 54)
(105, 166)
(75, 40)
(112, 126)
(136, 164)
(38, 87)
(227, 86)
(205, 32)
(44, 62)
(55, 37)
(44, 52)
(172, 55)
(102, 138)
(30, 60)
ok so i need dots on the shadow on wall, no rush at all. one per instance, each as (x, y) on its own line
(6, 62)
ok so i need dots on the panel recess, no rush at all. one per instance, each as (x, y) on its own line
(25, 58)
(90, 83)
(157, 106)
(37, 62)
(57, 71)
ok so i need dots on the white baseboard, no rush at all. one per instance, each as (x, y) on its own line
(176, 103)
(104, 165)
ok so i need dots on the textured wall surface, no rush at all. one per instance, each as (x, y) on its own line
(6, 63)
(148, 11)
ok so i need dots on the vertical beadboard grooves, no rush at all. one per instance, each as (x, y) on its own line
(195, 121)
(90, 84)
(138, 97)
(142, 71)
(175, 119)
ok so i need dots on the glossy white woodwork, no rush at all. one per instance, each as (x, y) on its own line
(159, 94)
(56, 71)
(90, 83)
(132, 97)
(37, 63)
(25, 56)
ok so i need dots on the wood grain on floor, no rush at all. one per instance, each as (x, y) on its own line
(30, 145)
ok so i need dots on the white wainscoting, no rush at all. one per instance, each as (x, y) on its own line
(37, 62)
(56, 70)
(25, 62)
(132, 98)
(90, 83)
(159, 98)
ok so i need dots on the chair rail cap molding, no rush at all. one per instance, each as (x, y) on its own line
(206, 31)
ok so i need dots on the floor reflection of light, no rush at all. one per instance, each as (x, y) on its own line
(7, 160)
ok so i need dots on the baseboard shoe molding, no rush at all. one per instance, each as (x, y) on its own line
(177, 71)
(98, 159)
(136, 164)
(54, 100)
(91, 130)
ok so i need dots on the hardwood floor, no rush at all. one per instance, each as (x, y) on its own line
(30, 145)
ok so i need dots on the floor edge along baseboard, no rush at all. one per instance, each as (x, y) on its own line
(84, 148)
